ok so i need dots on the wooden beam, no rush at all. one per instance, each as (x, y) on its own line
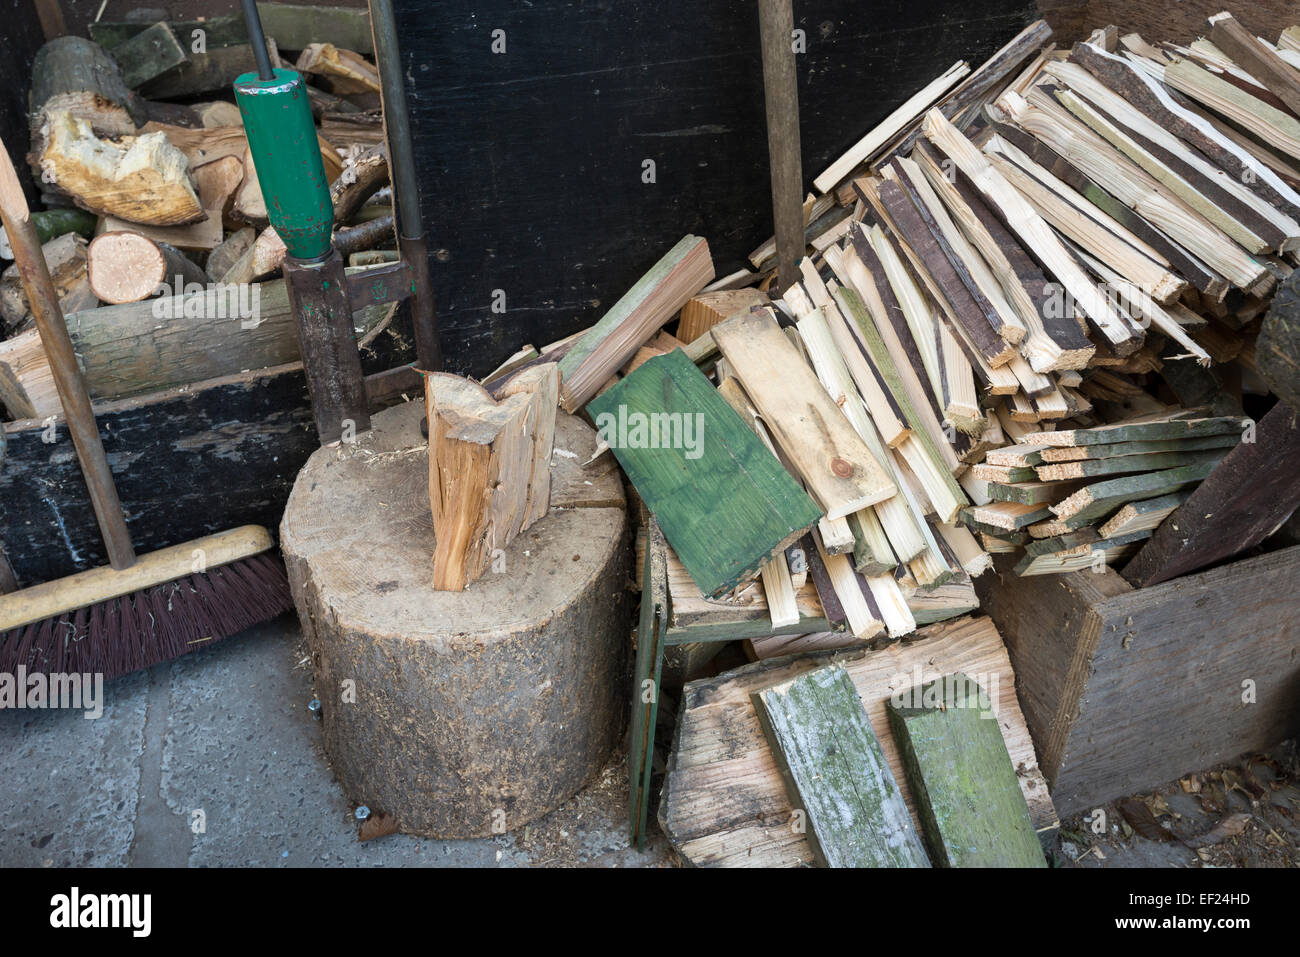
(972, 811)
(836, 773)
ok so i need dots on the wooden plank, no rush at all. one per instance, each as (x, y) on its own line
(1120, 465)
(150, 52)
(1116, 449)
(836, 773)
(1275, 128)
(724, 803)
(220, 454)
(610, 343)
(1031, 493)
(972, 811)
(1006, 516)
(1260, 61)
(1247, 496)
(1141, 516)
(890, 127)
(722, 499)
(1093, 556)
(1099, 500)
(1163, 431)
(835, 463)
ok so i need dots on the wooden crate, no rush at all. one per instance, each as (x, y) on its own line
(1126, 689)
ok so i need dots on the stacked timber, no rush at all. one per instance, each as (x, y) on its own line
(150, 192)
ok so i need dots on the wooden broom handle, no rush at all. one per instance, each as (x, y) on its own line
(68, 378)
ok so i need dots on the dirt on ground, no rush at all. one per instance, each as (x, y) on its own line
(1242, 814)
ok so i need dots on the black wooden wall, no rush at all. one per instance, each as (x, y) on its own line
(531, 160)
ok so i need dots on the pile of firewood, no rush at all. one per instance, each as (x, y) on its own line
(139, 152)
(1026, 319)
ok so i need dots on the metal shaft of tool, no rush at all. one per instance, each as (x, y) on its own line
(253, 21)
(781, 92)
(68, 378)
(401, 156)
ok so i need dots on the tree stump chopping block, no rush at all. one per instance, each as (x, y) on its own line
(461, 714)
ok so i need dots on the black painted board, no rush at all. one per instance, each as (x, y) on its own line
(20, 38)
(188, 465)
(531, 161)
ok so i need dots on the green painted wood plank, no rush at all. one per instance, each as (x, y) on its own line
(151, 52)
(1116, 449)
(723, 500)
(1152, 462)
(1140, 432)
(836, 773)
(1101, 498)
(1030, 493)
(626, 305)
(968, 799)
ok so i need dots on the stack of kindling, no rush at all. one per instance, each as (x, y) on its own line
(1081, 498)
(1025, 319)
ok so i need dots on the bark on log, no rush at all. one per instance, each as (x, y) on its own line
(66, 258)
(73, 74)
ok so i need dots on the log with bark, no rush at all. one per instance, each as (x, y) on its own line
(66, 258)
(128, 267)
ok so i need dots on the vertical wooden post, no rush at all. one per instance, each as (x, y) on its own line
(781, 92)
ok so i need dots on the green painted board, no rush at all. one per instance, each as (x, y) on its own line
(1105, 497)
(836, 773)
(1141, 432)
(968, 799)
(723, 500)
(1030, 493)
(1112, 450)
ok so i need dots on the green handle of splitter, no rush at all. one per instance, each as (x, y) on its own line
(286, 153)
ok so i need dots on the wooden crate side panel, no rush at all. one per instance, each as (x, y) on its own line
(1049, 629)
(1171, 666)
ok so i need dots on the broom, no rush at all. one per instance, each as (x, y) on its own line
(142, 610)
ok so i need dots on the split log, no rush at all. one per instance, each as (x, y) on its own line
(128, 267)
(146, 180)
(338, 71)
(364, 129)
(74, 75)
(482, 457)
(221, 259)
(249, 205)
(66, 258)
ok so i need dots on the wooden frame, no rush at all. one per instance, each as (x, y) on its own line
(1207, 666)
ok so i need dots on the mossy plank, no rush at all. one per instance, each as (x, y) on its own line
(723, 500)
(972, 811)
(836, 773)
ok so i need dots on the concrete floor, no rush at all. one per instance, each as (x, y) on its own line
(226, 732)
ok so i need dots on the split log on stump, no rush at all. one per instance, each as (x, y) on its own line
(146, 180)
(489, 475)
(128, 267)
(74, 75)
(475, 710)
(66, 258)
